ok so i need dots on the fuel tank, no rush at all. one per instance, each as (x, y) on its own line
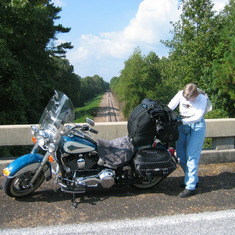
(77, 144)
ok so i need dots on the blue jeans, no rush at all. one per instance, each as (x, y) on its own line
(188, 149)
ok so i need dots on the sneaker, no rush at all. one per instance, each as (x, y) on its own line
(187, 193)
(183, 185)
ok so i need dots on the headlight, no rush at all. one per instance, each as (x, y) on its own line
(44, 137)
(41, 140)
(34, 130)
(44, 134)
(51, 148)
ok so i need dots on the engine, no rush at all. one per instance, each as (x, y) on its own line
(81, 171)
(85, 161)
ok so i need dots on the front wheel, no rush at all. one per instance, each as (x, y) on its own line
(19, 186)
(145, 184)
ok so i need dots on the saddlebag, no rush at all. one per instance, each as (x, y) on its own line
(154, 162)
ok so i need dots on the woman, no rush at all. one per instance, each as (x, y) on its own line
(192, 106)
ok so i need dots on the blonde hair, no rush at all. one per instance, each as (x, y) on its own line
(190, 91)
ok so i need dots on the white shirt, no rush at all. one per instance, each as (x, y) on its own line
(193, 110)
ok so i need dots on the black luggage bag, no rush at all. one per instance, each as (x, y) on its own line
(150, 120)
(141, 125)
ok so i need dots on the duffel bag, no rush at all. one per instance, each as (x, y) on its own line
(154, 162)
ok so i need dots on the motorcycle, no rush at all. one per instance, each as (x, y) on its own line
(68, 151)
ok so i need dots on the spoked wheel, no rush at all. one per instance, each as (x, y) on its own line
(19, 186)
(145, 184)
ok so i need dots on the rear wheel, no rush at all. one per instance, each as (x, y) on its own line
(19, 186)
(145, 184)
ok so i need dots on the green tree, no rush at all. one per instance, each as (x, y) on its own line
(113, 83)
(131, 90)
(91, 87)
(157, 87)
(27, 77)
(224, 66)
(201, 51)
(198, 40)
(66, 80)
(139, 79)
(225, 79)
(193, 43)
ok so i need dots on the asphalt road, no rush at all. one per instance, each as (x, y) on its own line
(49, 206)
(219, 223)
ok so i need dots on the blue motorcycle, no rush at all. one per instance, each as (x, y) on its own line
(68, 151)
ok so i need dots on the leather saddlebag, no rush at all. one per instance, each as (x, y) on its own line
(154, 162)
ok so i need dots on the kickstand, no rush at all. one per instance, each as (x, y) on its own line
(74, 202)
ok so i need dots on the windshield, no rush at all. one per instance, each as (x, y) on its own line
(59, 110)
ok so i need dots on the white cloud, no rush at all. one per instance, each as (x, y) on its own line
(58, 3)
(152, 21)
(219, 4)
(150, 24)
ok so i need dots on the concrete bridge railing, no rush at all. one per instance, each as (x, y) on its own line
(222, 132)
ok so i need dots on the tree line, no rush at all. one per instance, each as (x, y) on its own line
(32, 66)
(201, 51)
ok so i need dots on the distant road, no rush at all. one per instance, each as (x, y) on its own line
(109, 110)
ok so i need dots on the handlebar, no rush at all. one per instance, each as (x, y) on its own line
(85, 127)
(93, 131)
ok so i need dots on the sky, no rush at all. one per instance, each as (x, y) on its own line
(105, 33)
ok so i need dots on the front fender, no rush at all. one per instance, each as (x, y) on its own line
(19, 166)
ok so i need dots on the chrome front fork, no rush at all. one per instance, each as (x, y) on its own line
(42, 164)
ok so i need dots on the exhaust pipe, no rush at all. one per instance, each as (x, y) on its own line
(105, 178)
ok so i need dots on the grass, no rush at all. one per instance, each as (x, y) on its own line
(89, 110)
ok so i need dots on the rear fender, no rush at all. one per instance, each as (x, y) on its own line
(28, 162)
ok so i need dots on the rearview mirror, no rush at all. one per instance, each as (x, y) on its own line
(90, 121)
